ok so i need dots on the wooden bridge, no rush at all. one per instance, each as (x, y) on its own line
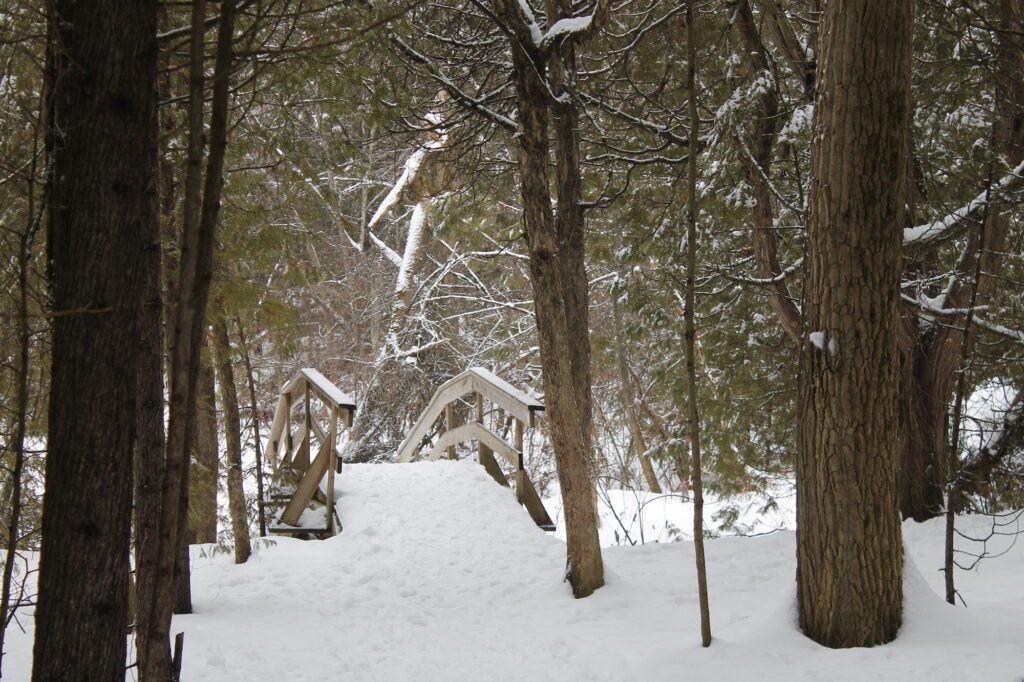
(296, 481)
(306, 499)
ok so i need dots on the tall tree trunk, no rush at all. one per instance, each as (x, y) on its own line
(16, 447)
(233, 438)
(205, 465)
(849, 550)
(103, 220)
(693, 417)
(194, 273)
(257, 445)
(149, 446)
(555, 265)
(928, 363)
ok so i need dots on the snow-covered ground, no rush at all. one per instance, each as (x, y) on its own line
(439, 575)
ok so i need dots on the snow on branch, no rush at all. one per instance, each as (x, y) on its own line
(531, 21)
(932, 306)
(564, 27)
(930, 231)
(413, 245)
(412, 167)
(577, 28)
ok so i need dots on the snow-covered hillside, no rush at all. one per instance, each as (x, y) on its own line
(439, 575)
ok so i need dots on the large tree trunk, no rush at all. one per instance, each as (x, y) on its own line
(928, 355)
(233, 439)
(194, 273)
(205, 465)
(849, 551)
(103, 222)
(555, 269)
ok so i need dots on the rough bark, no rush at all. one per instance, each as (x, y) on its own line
(102, 220)
(204, 468)
(194, 273)
(556, 264)
(928, 355)
(233, 440)
(149, 447)
(569, 222)
(849, 550)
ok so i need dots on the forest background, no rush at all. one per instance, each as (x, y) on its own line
(371, 226)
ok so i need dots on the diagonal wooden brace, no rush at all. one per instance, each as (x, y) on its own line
(486, 456)
(528, 497)
(307, 486)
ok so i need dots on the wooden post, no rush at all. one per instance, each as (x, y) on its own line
(303, 458)
(449, 424)
(528, 497)
(332, 464)
(288, 444)
(520, 473)
(484, 454)
(491, 465)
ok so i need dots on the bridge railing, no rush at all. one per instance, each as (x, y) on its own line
(507, 398)
(290, 451)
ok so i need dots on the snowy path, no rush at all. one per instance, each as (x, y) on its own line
(439, 575)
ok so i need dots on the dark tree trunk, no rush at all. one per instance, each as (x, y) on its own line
(194, 273)
(849, 550)
(205, 465)
(929, 356)
(557, 272)
(233, 439)
(103, 225)
(149, 446)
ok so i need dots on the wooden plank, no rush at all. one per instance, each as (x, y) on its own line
(302, 456)
(332, 457)
(288, 443)
(449, 424)
(451, 390)
(307, 486)
(519, 442)
(295, 387)
(505, 396)
(486, 458)
(295, 460)
(499, 392)
(528, 497)
(479, 432)
(276, 429)
(500, 385)
(328, 392)
(318, 430)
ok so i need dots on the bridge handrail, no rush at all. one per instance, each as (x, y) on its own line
(481, 433)
(295, 454)
(475, 379)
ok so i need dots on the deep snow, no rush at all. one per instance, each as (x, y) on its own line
(439, 575)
